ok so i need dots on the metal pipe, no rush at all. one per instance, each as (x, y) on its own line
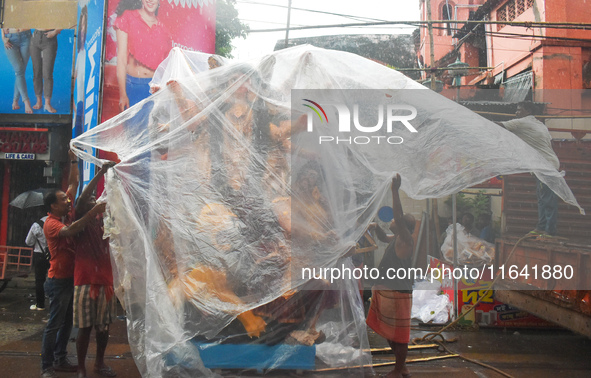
(455, 244)
(443, 68)
(287, 29)
(419, 238)
(427, 244)
(2, 4)
(542, 116)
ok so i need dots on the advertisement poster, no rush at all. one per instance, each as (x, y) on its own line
(88, 73)
(42, 14)
(33, 63)
(140, 34)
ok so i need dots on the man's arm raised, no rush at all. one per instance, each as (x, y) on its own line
(79, 225)
(89, 189)
(74, 174)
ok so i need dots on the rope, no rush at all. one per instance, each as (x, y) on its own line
(430, 336)
(474, 361)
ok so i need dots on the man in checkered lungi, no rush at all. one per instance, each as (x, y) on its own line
(94, 300)
(391, 301)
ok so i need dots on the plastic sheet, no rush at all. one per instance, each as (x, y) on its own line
(214, 210)
(183, 63)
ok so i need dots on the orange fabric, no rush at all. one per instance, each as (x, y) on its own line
(61, 249)
(389, 314)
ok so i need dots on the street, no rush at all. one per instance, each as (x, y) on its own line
(519, 353)
(21, 331)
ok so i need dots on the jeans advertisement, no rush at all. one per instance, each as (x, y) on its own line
(34, 64)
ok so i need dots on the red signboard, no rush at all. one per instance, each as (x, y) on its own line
(23, 142)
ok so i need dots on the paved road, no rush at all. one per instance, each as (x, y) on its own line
(21, 331)
(522, 353)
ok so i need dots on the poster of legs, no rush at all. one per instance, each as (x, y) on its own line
(29, 61)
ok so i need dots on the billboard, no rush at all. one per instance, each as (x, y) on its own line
(140, 34)
(42, 14)
(87, 72)
(35, 71)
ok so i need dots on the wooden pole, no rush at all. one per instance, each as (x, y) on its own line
(431, 43)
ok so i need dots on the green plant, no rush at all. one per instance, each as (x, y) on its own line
(227, 27)
(475, 204)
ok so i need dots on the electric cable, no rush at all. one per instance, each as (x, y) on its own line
(358, 18)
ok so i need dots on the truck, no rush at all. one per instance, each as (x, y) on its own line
(550, 277)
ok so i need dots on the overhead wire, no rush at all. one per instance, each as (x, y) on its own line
(352, 17)
(493, 33)
(266, 22)
(422, 24)
(529, 25)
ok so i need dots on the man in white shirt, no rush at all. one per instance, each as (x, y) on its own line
(36, 239)
(536, 134)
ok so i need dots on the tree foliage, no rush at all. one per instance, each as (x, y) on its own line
(475, 204)
(227, 27)
(396, 51)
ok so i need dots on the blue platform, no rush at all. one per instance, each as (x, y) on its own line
(257, 356)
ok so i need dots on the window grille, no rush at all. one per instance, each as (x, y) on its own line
(519, 7)
(511, 10)
(501, 16)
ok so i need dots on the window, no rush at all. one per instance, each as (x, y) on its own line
(446, 12)
(511, 10)
(519, 7)
(501, 16)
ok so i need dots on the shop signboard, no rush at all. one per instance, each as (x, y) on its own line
(20, 144)
(19, 156)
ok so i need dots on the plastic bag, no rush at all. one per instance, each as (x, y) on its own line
(428, 305)
(471, 250)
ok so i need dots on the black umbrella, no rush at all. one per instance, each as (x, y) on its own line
(31, 198)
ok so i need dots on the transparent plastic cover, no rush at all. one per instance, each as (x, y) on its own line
(218, 202)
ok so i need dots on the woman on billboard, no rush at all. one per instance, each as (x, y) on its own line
(143, 42)
(16, 42)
